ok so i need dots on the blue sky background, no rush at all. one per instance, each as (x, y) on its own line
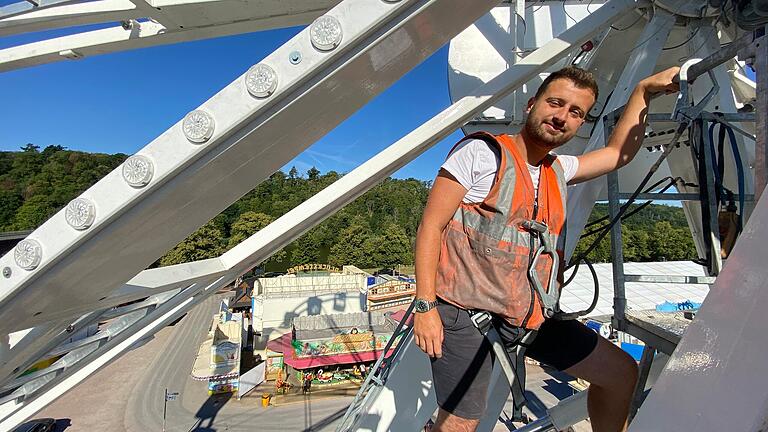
(120, 102)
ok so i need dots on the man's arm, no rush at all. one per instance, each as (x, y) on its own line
(444, 199)
(628, 134)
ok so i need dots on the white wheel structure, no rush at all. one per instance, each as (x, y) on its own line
(66, 276)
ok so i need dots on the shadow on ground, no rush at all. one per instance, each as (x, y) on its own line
(207, 413)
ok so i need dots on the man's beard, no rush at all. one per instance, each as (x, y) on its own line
(541, 137)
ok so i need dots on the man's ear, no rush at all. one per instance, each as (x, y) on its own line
(530, 105)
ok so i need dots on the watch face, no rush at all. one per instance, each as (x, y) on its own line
(421, 305)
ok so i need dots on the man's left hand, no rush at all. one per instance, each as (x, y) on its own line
(662, 82)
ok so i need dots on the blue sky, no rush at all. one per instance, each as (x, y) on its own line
(120, 102)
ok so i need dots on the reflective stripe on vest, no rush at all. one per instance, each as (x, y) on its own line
(484, 252)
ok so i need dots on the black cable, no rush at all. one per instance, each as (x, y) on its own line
(652, 187)
(640, 16)
(573, 315)
(568, 15)
(678, 133)
(684, 42)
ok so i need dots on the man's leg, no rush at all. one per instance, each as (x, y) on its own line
(447, 422)
(571, 347)
(461, 376)
(612, 375)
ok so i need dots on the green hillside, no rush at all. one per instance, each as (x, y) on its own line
(376, 230)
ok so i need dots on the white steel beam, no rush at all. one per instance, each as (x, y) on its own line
(162, 279)
(715, 379)
(68, 14)
(142, 35)
(705, 42)
(24, 18)
(642, 62)
(344, 190)
(15, 412)
(265, 242)
(253, 137)
(36, 344)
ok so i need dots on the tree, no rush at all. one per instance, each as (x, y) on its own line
(393, 247)
(246, 225)
(671, 244)
(352, 248)
(306, 250)
(31, 148)
(293, 173)
(635, 244)
(9, 203)
(313, 173)
(32, 213)
(206, 242)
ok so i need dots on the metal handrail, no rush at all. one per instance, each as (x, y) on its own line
(371, 377)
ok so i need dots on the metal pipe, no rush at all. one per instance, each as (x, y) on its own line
(721, 56)
(761, 160)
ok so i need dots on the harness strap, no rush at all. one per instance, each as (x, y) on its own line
(511, 359)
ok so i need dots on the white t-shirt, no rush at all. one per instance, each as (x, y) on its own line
(474, 164)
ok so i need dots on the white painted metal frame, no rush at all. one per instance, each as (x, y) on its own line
(641, 64)
(143, 23)
(715, 379)
(705, 43)
(15, 412)
(382, 40)
(294, 223)
(378, 413)
(168, 277)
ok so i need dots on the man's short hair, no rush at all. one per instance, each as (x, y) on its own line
(581, 78)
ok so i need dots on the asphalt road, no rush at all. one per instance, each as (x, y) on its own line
(194, 410)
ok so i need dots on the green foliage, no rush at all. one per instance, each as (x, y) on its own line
(306, 249)
(354, 247)
(34, 185)
(392, 247)
(378, 229)
(669, 243)
(655, 233)
(246, 225)
(206, 242)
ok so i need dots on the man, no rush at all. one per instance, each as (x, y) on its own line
(473, 252)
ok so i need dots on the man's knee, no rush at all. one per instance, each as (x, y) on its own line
(608, 366)
(447, 422)
(623, 372)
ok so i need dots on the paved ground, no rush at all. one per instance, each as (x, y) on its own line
(127, 395)
(99, 402)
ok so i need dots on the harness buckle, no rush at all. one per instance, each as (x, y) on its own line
(482, 320)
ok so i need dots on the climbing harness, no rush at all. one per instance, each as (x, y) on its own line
(510, 358)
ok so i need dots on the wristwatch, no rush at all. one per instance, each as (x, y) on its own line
(424, 305)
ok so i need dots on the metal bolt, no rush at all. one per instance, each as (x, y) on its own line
(294, 57)
(7, 272)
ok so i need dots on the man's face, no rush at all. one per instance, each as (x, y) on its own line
(556, 115)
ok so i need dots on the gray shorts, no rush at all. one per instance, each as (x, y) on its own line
(461, 376)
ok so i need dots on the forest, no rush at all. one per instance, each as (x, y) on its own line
(377, 230)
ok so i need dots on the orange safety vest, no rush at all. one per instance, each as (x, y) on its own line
(485, 251)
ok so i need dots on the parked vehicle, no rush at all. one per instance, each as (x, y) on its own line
(37, 425)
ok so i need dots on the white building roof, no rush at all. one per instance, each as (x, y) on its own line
(579, 293)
